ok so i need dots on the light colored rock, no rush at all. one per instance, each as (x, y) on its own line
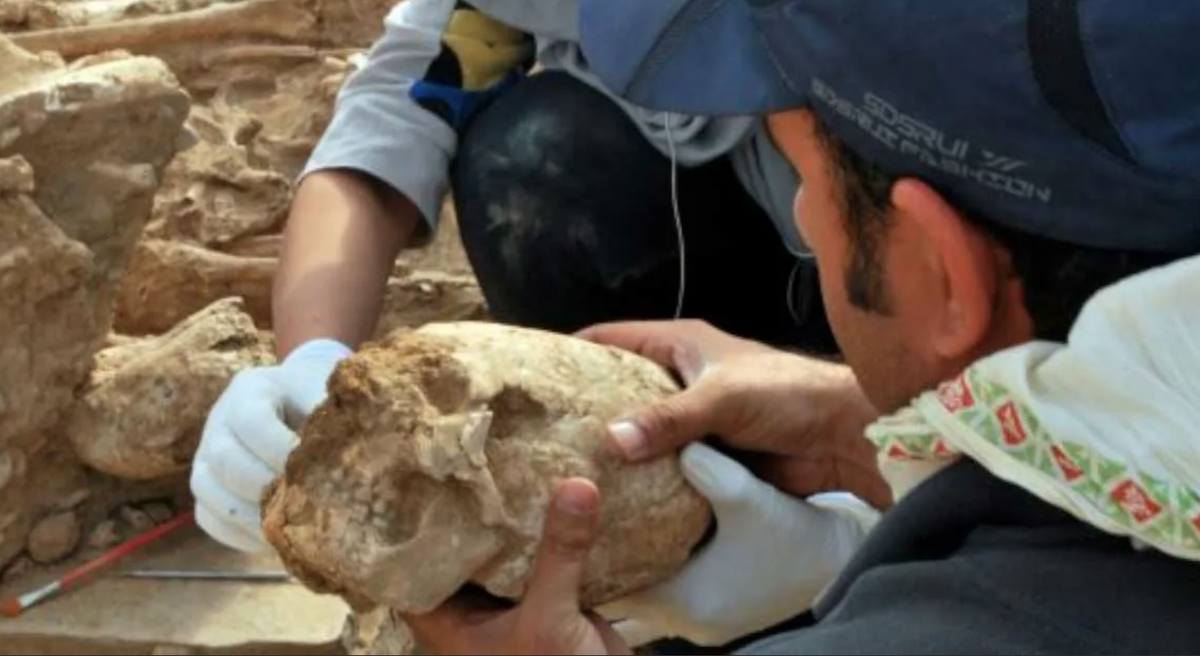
(88, 150)
(352, 21)
(168, 281)
(278, 19)
(295, 115)
(18, 569)
(16, 176)
(12, 467)
(44, 278)
(432, 462)
(159, 513)
(44, 274)
(377, 633)
(142, 411)
(32, 14)
(81, 150)
(74, 499)
(54, 538)
(104, 535)
(423, 297)
(48, 474)
(268, 246)
(136, 519)
(212, 195)
(124, 117)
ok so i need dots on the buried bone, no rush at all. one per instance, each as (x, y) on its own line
(433, 460)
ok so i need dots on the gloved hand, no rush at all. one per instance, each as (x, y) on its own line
(770, 558)
(248, 436)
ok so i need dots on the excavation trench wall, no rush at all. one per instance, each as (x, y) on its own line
(147, 157)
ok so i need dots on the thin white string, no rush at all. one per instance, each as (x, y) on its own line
(791, 291)
(678, 217)
(792, 307)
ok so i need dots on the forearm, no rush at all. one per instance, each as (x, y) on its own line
(342, 238)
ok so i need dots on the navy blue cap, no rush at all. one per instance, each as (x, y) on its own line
(1073, 119)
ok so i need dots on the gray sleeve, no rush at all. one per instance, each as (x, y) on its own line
(397, 117)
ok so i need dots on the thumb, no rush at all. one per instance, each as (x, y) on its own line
(667, 425)
(304, 375)
(571, 528)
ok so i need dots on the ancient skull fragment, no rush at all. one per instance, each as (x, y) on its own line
(432, 461)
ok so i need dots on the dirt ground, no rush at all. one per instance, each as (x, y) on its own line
(148, 150)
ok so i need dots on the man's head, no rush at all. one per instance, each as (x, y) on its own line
(916, 288)
(973, 172)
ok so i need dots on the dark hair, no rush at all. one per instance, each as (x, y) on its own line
(1058, 277)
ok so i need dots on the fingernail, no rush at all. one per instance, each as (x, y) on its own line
(574, 500)
(629, 438)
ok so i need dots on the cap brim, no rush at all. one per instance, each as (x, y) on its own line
(703, 57)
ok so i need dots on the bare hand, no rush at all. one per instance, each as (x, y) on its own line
(548, 620)
(800, 419)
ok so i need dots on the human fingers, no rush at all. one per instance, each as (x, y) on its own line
(612, 640)
(663, 342)
(571, 527)
(233, 465)
(671, 423)
(222, 515)
(252, 413)
(460, 625)
(629, 335)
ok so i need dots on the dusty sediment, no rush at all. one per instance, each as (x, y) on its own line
(148, 152)
(449, 440)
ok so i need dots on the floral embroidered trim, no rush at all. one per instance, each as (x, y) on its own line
(1156, 510)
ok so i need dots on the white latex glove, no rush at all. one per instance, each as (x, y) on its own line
(770, 558)
(248, 436)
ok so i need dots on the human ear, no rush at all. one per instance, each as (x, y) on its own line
(960, 272)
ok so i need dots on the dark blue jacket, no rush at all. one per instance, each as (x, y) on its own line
(968, 563)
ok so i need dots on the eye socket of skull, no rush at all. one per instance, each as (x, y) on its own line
(432, 462)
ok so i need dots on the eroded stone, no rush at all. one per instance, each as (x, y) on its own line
(81, 149)
(145, 404)
(168, 281)
(54, 538)
(431, 464)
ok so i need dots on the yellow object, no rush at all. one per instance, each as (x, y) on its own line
(486, 49)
